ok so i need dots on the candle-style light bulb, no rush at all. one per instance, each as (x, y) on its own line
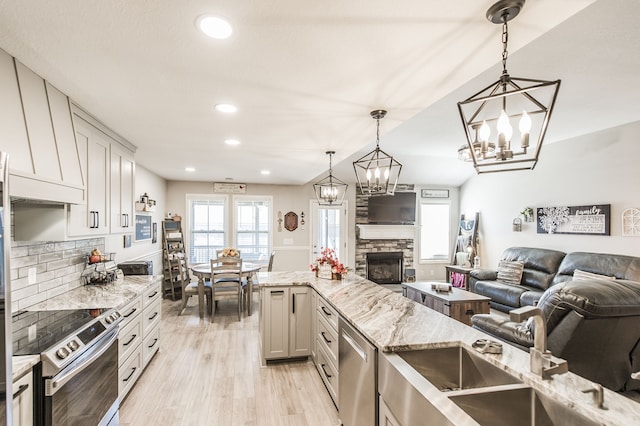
(484, 132)
(525, 128)
(368, 176)
(505, 131)
(386, 174)
(376, 174)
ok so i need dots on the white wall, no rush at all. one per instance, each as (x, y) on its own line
(155, 187)
(292, 248)
(599, 168)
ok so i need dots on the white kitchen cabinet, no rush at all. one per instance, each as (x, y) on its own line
(285, 322)
(326, 338)
(151, 316)
(23, 400)
(94, 147)
(122, 186)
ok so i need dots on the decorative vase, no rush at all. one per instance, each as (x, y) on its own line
(316, 273)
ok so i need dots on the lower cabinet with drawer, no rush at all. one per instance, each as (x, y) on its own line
(326, 339)
(139, 337)
(23, 400)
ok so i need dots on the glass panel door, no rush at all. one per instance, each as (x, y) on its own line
(329, 225)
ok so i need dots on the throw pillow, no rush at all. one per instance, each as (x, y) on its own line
(579, 275)
(510, 272)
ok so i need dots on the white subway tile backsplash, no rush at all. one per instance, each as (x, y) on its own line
(58, 268)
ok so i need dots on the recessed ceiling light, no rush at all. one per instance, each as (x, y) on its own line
(189, 169)
(265, 172)
(226, 108)
(232, 142)
(214, 26)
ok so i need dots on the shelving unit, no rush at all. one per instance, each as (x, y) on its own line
(175, 267)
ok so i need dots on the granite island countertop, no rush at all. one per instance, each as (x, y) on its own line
(394, 323)
(113, 295)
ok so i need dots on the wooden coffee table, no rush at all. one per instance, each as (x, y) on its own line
(457, 304)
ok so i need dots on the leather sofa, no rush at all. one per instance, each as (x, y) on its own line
(540, 268)
(593, 324)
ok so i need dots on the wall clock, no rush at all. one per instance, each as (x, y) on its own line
(291, 221)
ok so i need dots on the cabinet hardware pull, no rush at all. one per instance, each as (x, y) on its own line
(469, 312)
(129, 376)
(130, 313)
(153, 344)
(20, 390)
(325, 337)
(328, 313)
(325, 371)
(97, 219)
(293, 311)
(130, 340)
(155, 314)
(277, 291)
(153, 295)
(93, 219)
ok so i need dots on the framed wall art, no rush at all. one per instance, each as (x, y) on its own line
(434, 193)
(591, 219)
(143, 227)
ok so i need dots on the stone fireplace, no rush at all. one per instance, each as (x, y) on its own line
(392, 242)
(385, 268)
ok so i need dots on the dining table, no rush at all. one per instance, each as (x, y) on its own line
(203, 271)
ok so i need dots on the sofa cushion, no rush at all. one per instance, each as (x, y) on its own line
(613, 265)
(510, 271)
(540, 265)
(530, 298)
(590, 299)
(503, 328)
(502, 293)
(579, 275)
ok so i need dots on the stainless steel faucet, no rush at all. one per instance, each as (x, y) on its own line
(542, 362)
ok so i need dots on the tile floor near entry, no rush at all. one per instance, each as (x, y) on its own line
(210, 374)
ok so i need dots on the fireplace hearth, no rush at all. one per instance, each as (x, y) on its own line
(384, 268)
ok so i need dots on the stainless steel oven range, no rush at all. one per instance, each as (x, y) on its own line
(76, 382)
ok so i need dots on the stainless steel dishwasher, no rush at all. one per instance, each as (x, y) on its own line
(357, 362)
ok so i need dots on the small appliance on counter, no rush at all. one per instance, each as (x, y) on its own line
(138, 267)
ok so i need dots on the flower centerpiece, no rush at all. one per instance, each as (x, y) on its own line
(229, 252)
(328, 265)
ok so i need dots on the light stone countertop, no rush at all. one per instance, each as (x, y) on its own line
(113, 295)
(394, 323)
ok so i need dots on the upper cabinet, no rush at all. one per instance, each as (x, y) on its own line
(109, 170)
(36, 130)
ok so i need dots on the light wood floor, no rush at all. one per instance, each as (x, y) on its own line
(210, 374)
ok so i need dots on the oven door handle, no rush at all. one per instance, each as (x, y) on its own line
(54, 384)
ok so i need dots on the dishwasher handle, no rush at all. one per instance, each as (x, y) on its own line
(361, 352)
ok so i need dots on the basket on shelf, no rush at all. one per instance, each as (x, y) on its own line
(102, 271)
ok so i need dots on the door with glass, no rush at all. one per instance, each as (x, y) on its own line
(329, 230)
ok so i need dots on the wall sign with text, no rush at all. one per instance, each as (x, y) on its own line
(592, 219)
(143, 227)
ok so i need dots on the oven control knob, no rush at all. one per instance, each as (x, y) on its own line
(73, 345)
(108, 319)
(62, 353)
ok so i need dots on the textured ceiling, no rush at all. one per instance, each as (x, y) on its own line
(306, 74)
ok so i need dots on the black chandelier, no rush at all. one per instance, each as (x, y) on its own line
(330, 191)
(528, 101)
(377, 172)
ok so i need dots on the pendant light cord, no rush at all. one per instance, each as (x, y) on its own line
(505, 40)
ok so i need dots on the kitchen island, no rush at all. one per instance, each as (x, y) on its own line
(394, 323)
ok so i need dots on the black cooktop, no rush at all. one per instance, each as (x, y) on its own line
(50, 328)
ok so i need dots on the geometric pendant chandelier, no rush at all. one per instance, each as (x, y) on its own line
(377, 172)
(330, 191)
(489, 116)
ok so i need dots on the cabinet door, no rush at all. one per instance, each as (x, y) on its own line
(39, 126)
(122, 181)
(13, 136)
(94, 148)
(23, 400)
(276, 323)
(385, 416)
(314, 323)
(300, 323)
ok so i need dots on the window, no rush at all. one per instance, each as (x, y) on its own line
(434, 231)
(253, 227)
(208, 227)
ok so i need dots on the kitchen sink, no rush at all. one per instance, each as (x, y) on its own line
(455, 368)
(523, 406)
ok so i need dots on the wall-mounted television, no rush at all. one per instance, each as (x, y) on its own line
(397, 209)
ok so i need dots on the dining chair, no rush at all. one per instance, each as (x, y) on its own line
(190, 288)
(273, 254)
(226, 282)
